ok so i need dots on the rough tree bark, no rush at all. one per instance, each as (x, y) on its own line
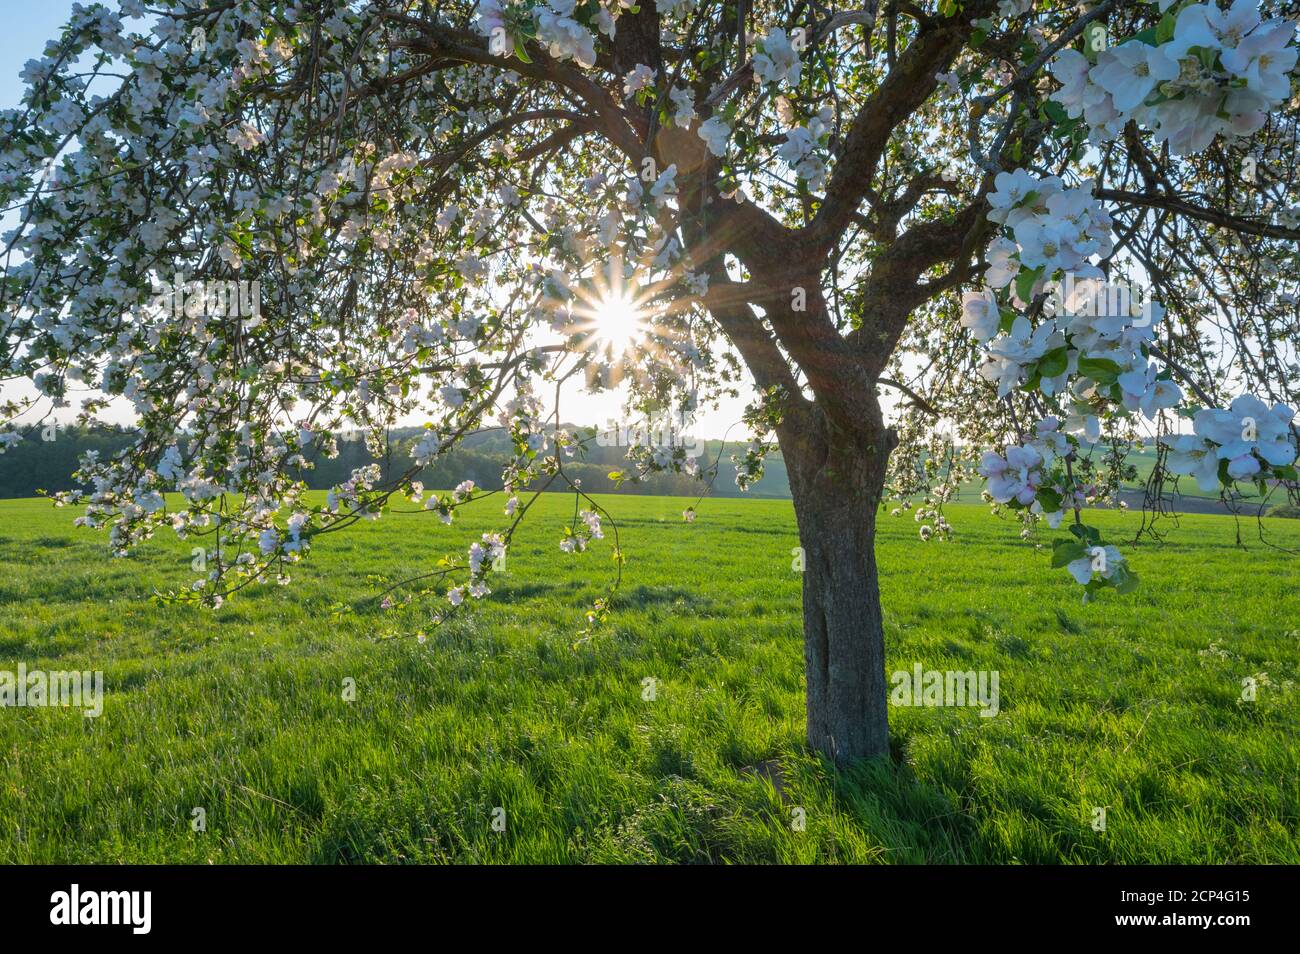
(836, 448)
(835, 443)
(836, 480)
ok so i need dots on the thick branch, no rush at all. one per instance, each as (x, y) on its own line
(909, 84)
(466, 47)
(1182, 207)
(743, 327)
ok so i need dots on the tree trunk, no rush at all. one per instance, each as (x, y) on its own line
(837, 484)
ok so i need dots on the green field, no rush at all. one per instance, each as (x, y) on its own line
(1128, 703)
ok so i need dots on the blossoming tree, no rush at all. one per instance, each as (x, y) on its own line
(1048, 231)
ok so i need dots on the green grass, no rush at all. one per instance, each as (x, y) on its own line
(1132, 703)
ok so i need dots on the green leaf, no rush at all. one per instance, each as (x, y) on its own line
(1149, 36)
(1050, 499)
(1055, 111)
(1089, 51)
(1125, 580)
(1025, 281)
(1165, 28)
(1054, 362)
(1088, 535)
(1102, 370)
(1067, 551)
(520, 51)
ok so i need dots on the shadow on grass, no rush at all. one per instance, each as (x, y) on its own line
(643, 597)
(28, 551)
(916, 822)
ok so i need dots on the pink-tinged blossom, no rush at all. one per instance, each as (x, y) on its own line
(1014, 476)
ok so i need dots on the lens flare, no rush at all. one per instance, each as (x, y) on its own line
(617, 323)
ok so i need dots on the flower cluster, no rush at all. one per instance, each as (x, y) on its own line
(715, 132)
(1098, 562)
(558, 25)
(750, 465)
(576, 538)
(1014, 475)
(1248, 441)
(1052, 324)
(483, 558)
(1090, 342)
(799, 151)
(1056, 228)
(777, 60)
(1200, 74)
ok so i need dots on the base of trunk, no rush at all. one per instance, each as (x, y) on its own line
(844, 643)
(844, 637)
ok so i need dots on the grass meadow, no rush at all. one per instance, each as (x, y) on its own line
(1132, 704)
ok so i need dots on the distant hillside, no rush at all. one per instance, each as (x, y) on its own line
(45, 460)
(37, 464)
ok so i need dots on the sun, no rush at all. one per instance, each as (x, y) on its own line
(617, 322)
(613, 315)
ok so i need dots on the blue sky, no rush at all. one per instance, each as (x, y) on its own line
(28, 26)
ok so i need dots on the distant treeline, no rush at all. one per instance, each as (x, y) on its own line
(45, 459)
